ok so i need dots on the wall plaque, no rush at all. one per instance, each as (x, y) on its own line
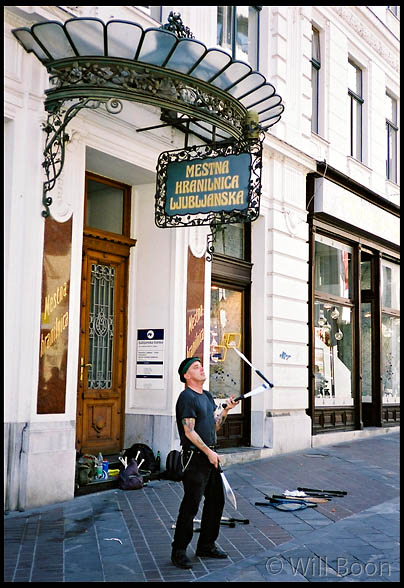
(54, 317)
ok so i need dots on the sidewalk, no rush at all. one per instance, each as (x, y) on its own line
(117, 536)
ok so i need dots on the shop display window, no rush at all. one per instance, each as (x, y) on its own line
(226, 317)
(333, 355)
(390, 335)
(333, 267)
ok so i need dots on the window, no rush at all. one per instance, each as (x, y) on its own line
(230, 321)
(315, 78)
(391, 130)
(333, 267)
(333, 354)
(230, 240)
(333, 334)
(390, 335)
(356, 105)
(237, 31)
(107, 205)
(395, 10)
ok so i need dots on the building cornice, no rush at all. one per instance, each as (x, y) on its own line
(363, 27)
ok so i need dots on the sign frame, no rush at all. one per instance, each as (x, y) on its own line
(247, 212)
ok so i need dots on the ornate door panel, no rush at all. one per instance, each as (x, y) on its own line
(102, 348)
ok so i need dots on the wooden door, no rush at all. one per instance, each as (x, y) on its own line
(101, 385)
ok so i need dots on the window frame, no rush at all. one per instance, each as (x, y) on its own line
(232, 46)
(127, 202)
(392, 133)
(315, 68)
(355, 100)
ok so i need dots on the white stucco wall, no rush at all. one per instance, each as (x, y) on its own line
(36, 445)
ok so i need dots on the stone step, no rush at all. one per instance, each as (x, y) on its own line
(236, 455)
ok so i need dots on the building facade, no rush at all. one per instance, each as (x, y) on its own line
(102, 304)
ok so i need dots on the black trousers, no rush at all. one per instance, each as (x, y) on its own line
(201, 478)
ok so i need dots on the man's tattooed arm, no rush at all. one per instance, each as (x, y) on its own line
(189, 430)
(192, 435)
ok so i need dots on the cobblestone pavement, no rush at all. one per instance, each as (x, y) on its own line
(118, 536)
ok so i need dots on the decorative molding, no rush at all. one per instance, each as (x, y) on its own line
(366, 34)
(198, 240)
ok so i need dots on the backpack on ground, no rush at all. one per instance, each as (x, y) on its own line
(129, 478)
(86, 466)
(140, 451)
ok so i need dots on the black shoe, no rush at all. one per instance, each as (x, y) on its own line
(209, 551)
(180, 559)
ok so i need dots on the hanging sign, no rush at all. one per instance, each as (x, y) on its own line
(209, 185)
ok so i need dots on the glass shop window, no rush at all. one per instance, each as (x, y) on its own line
(226, 324)
(237, 31)
(333, 267)
(390, 335)
(333, 355)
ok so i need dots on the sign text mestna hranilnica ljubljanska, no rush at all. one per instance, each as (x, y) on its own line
(204, 185)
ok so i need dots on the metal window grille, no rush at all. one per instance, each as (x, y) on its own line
(101, 327)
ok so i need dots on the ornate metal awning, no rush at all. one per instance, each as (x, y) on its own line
(200, 91)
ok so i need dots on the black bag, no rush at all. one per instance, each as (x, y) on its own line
(129, 478)
(174, 470)
(141, 451)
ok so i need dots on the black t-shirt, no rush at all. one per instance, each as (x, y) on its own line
(201, 407)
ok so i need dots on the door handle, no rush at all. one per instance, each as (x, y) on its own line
(82, 366)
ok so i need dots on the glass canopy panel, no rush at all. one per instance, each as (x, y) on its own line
(30, 44)
(87, 34)
(269, 114)
(52, 35)
(213, 62)
(123, 39)
(249, 84)
(259, 95)
(206, 130)
(271, 123)
(156, 46)
(266, 105)
(235, 72)
(185, 55)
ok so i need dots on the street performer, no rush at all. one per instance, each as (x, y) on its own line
(198, 419)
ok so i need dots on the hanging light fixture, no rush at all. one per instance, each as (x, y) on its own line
(339, 335)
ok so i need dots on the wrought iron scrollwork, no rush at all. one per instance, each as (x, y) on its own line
(57, 138)
(216, 217)
(210, 241)
(176, 26)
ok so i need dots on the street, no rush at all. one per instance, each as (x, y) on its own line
(120, 536)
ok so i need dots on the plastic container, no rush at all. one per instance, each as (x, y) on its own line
(99, 466)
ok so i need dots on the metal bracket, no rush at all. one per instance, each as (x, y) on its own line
(210, 240)
(57, 137)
